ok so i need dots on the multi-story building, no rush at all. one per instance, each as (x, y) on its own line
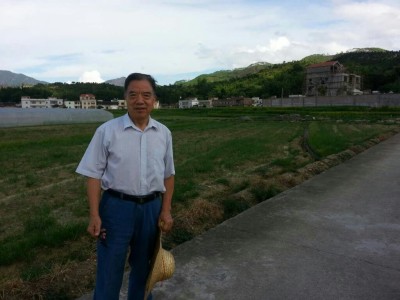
(88, 101)
(51, 102)
(330, 79)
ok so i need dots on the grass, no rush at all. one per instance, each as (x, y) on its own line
(330, 138)
(238, 147)
(225, 163)
(40, 230)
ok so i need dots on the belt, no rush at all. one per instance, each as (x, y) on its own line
(138, 199)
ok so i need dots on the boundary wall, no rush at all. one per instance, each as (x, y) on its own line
(371, 100)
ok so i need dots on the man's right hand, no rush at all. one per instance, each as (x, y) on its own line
(94, 195)
(94, 226)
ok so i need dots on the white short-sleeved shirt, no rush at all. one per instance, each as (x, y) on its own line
(128, 159)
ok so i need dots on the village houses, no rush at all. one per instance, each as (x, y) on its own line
(215, 102)
(51, 102)
(326, 83)
(86, 101)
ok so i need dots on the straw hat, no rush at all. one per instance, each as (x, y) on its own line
(162, 266)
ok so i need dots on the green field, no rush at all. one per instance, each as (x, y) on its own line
(226, 160)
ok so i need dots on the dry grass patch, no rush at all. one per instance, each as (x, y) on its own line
(198, 217)
(61, 273)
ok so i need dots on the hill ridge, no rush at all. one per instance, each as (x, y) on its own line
(11, 79)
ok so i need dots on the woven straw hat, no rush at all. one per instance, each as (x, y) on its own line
(162, 266)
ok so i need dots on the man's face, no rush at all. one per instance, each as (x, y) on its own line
(140, 100)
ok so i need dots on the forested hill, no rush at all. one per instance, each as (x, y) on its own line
(360, 56)
(380, 70)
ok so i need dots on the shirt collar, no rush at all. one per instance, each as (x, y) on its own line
(128, 123)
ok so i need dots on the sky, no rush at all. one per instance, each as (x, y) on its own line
(98, 40)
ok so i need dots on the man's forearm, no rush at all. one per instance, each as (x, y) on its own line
(167, 196)
(165, 219)
(94, 194)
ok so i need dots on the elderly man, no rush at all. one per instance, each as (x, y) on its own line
(130, 159)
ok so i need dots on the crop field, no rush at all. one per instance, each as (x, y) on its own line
(226, 161)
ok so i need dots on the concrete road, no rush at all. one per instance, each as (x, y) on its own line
(336, 236)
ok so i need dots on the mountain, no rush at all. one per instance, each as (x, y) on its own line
(367, 50)
(224, 75)
(255, 68)
(378, 68)
(11, 79)
(117, 81)
(315, 59)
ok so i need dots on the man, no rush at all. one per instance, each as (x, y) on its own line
(130, 159)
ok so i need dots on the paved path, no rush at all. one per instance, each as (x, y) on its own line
(336, 236)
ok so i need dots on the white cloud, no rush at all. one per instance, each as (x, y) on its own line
(279, 43)
(372, 21)
(60, 41)
(91, 76)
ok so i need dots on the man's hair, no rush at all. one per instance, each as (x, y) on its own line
(140, 76)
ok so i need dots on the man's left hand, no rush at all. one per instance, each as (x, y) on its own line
(165, 221)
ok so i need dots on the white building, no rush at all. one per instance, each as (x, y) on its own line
(205, 103)
(257, 101)
(72, 104)
(188, 103)
(51, 102)
(122, 104)
(109, 105)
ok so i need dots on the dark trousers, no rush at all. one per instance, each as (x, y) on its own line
(131, 226)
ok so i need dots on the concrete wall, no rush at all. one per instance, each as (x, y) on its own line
(373, 100)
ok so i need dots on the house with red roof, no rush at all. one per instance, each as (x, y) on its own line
(88, 101)
(331, 79)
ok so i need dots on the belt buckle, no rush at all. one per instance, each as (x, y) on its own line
(141, 200)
